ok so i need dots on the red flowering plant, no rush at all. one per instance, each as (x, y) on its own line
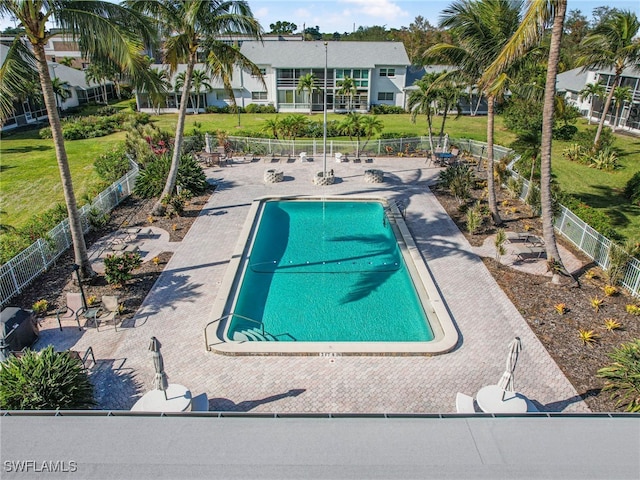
(118, 268)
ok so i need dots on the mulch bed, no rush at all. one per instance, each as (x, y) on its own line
(59, 279)
(535, 297)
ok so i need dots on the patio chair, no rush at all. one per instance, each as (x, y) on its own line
(73, 309)
(200, 403)
(464, 403)
(109, 312)
(522, 251)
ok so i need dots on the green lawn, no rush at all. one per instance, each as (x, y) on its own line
(30, 179)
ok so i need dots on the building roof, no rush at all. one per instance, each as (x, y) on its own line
(339, 54)
(571, 80)
(265, 447)
(73, 76)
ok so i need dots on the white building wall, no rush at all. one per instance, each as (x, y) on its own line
(386, 84)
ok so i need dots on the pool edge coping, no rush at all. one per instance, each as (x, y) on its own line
(445, 336)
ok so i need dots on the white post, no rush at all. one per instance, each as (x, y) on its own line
(324, 129)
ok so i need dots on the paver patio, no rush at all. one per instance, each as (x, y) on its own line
(178, 308)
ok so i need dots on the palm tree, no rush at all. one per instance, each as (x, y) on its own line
(611, 44)
(422, 102)
(191, 27)
(66, 61)
(449, 94)
(272, 126)
(590, 91)
(160, 95)
(530, 32)
(620, 96)
(199, 82)
(293, 126)
(179, 86)
(97, 73)
(348, 88)
(370, 125)
(105, 30)
(484, 28)
(61, 89)
(308, 83)
(352, 126)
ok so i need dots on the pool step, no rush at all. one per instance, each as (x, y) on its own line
(253, 335)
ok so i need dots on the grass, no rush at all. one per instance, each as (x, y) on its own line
(29, 167)
(30, 176)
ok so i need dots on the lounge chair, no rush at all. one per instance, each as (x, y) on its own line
(523, 251)
(464, 403)
(72, 310)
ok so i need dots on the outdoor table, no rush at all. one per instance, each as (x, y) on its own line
(90, 314)
(490, 400)
(178, 399)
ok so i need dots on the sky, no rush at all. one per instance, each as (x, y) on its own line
(346, 15)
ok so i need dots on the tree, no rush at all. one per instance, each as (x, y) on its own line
(530, 32)
(422, 102)
(61, 89)
(104, 30)
(66, 61)
(97, 73)
(371, 125)
(620, 96)
(293, 126)
(312, 33)
(590, 91)
(283, 28)
(190, 28)
(199, 82)
(449, 94)
(347, 87)
(611, 44)
(45, 380)
(483, 29)
(272, 126)
(419, 36)
(308, 83)
(158, 97)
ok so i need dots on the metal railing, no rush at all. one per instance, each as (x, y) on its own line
(22, 269)
(589, 241)
(224, 317)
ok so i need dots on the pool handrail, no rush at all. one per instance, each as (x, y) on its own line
(224, 317)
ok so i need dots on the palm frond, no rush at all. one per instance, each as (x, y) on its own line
(16, 74)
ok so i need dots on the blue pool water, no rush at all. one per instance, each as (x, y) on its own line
(328, 271)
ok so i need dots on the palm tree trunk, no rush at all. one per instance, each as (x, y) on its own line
(546, 204)
(605, 109)
(159, 209)
(491, 183)
(104, 91)
(616, 119)
(75, 224)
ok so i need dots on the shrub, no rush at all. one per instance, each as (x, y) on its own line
(632, 189)
(12, 244)
(40, 307)
(106, 111)
(612, 324)
(588, 337)
(45, 133)
(514, 187)
(112, 165)
(586, 137)
(97, 218)
(604, 159)
(458, 179)
(596, 219)
(118, 268)
(610, 290)
(596, 303)
(619, 257)
(561, 308)
(174, 204)
(622, 377)
(386, 109)
(194, 143)
(565, 132)
(45, 380)
(501, 238)
(191, 177)
(152, 178)
(474, 218)
(39, 224)
(633, 309)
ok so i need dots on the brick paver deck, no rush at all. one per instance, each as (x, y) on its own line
(178, 308)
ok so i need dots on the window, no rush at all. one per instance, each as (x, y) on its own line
(387, 72)
(385, 96)
(258, 95)
(263, 72)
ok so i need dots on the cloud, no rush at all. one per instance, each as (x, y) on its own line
(380, 9)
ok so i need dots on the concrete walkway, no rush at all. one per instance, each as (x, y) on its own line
(178, 308)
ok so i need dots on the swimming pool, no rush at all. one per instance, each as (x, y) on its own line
(330, 275)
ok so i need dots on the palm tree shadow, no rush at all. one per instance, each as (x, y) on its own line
(226, 405)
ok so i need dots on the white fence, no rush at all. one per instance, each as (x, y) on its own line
(22, 269)
(414, 146)
(595, 245)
